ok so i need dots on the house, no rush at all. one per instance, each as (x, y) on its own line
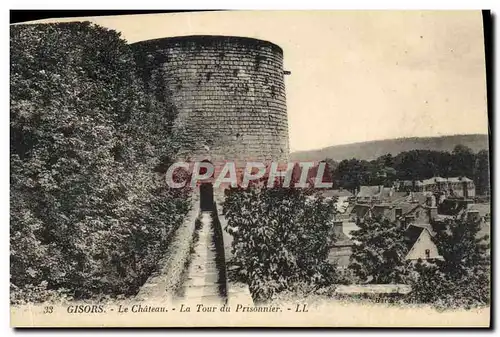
(409, 186)
(420, 245)
(481, 211)
(454, 187)
(338, 193)
(360, 212)
(453, 206)
(341, 250)
(342, 199)
(415, 213)
(378, 194)
(369, 194)
(461, 187)
(406, 210)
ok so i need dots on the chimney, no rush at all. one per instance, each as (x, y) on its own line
(433, 212)
(465, 190)
(338, 228)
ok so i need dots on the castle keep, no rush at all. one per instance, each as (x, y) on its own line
(228, 92)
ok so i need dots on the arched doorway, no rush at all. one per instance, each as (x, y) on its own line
(206, 192)
(206, 197)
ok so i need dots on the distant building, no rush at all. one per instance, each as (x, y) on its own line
(360, 212)
(454, 187)
(376, 194)
(481, 212)
(409, 186)
(414, 207)
(338, 193)
(342, 197)
(420, 244)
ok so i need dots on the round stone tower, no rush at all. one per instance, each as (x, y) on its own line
(228, 93)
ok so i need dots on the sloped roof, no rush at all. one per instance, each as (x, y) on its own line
(483, 209)
(420, 197)
(337, 193)
(342, 240)
(459, 179)
(393, 196)
(387, 192)
(408, 207)
(427, 226)
(429, 181)
(382, 209)
(419, 227)
(413, 232)
(362, 208)
(369, 191)
(443, 180)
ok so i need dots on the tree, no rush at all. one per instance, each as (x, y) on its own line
(352, 173)
(462, 278)
(482, 168)
(415, 165)
(463, 161)
(379, 253)
(281, 238)
(87, 212)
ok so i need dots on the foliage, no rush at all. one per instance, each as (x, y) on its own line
(462, 279)
(88, 214)
(482, 167)
(379, 253)
(414, 165)
(282, 237)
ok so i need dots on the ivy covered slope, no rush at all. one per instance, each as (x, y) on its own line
(89, 215)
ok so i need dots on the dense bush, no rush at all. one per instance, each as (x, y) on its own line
(282, 237)
(89, 216)
(379, 253)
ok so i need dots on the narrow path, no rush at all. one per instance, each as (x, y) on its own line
(203, 284)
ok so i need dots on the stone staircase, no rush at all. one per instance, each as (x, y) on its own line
(206, 283)
(204, 280)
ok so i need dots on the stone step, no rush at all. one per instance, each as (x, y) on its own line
(199, 291)
(212, 299)
(203, 274)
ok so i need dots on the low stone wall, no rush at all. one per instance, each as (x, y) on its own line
(161, 286)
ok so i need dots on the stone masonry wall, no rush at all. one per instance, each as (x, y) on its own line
(229, 94)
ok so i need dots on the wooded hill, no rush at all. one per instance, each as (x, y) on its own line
(374, 149)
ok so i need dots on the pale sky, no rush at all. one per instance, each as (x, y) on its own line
(356, 75)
